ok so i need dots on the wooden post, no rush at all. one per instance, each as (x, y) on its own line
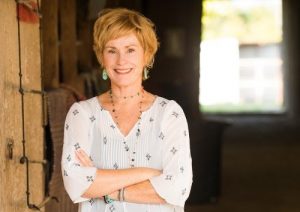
(85, 49)
(68, 53)
(50, 43)
(13, 174)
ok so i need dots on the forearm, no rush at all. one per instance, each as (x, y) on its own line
(108, 181)
(142, 193)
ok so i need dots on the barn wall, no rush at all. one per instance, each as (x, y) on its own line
(13, 174)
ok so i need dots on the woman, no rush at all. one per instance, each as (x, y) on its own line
(127, 149)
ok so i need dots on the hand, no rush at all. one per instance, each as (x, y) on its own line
(114, 195)
(83, 158)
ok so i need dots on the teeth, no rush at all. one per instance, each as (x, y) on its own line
(123, 71)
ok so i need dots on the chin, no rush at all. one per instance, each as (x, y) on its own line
(126, 82)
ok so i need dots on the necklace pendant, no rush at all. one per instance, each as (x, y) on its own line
(126, 148)
(138, 133)
(140, 103)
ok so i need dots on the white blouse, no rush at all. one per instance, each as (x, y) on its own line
(161, 141)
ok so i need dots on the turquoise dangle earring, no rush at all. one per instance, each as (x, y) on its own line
(146, 69)
(146, 74)
(104, 75)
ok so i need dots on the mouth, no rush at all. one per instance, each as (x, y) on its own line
(123, 71)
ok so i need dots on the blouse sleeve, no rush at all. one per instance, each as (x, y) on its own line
(174, 184)
(77, 179)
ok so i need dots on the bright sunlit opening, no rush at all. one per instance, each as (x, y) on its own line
(240, 58)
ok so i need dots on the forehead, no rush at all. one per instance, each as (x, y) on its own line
(123, 41)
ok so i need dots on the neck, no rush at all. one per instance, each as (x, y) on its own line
(126, 91)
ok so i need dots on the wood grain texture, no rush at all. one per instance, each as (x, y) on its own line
(50, 43)
(68, 49)
(12, 174)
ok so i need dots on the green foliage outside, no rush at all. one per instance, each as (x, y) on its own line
(257, 24)
(253, 25)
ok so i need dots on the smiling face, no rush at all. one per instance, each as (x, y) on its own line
(123, 58)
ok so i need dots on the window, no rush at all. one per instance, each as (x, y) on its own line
(240, 57)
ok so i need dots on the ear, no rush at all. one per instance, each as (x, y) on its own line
(97, 53)
(146, 59)
(149, 61)
(99, 58)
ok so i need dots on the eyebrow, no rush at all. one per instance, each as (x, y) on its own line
(128, 46)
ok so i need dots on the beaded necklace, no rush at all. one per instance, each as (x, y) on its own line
(131, 153)
(124, 97)
(111, 95)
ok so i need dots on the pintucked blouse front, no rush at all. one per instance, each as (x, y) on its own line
(161, 141)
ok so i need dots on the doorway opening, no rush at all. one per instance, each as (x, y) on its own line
(240, 57)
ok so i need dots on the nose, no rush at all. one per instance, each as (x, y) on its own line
(121, 59)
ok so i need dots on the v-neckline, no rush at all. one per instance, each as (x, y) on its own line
(135, 124)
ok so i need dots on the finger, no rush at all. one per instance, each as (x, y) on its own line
(84, 158)
(80, 158)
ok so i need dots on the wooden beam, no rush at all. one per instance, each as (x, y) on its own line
(85, 47)
(50, 43)
(13, 173)
(68, 53)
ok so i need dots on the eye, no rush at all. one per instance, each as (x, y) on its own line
(111, 51)
(131, 50)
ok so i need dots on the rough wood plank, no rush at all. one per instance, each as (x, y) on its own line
(68, 53)
(12, 174)
(50, 43)
(85, 47)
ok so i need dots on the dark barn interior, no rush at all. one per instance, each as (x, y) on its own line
(241, 162)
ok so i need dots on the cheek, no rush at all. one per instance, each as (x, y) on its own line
(107, 60)
(138, 59)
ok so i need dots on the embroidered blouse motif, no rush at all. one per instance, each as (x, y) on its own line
(161, 141)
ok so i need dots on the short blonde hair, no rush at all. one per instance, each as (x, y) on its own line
(118, 22)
